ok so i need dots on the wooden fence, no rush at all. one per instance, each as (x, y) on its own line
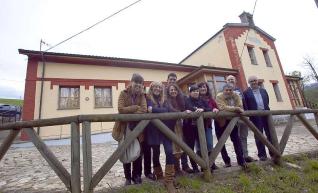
(73, 181)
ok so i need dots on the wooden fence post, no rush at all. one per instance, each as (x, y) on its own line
(227, 132)
(75, 158)
(307, 125)
(87, 156)
(55, 164)
(286, 133)
(115, 156)
(172, 136)
(203, 148)
(274, 140)
(7, 142)
(260, 136)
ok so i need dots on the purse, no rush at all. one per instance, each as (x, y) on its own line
(133, 150)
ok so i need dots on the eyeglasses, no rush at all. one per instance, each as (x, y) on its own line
(253, 80)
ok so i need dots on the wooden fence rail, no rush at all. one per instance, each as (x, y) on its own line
(73, 181)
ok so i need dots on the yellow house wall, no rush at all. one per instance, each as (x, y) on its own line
(262, 71)
(74, 71)
(213, 53)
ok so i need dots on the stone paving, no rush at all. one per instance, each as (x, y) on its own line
(24, 169)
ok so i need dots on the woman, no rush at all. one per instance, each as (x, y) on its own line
(207, 97)
(175, 99)
(131, 101)
(156, 103)
(194, 104)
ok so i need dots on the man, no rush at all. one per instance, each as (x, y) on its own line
(256, 98)
(172, 78)
(132, 100)
(230, 101)
(243, 129)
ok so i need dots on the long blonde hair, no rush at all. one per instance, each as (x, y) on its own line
(150, 95)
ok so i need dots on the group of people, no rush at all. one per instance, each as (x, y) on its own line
(162, 98)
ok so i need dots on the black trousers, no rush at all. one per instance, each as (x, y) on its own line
(190, 136)
(147, 157)
(136, 168)
(236, 143)
(262, 125)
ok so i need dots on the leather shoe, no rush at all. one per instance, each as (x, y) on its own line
(196, 170)
(151, 177)
(249, 159)
(188, 170)
(137, 180)
(227, 165)
(214, 167)
(263, 159)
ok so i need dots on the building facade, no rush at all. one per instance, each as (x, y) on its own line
(59, 84)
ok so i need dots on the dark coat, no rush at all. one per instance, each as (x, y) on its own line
(190, 127)
(152, 135)
(252, 105)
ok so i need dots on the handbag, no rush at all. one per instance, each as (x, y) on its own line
(133, 150)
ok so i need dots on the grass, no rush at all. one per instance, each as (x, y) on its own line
(16, 102)
(257, 179)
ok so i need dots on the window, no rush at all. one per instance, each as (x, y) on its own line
(277, 92)
(103, 97)
(219, 83)
(295, 93)
(69, 98)
(266, 57)
(251, 53)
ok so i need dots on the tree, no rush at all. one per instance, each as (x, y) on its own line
(309, 64)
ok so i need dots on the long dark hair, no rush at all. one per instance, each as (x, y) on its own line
(177, 103)
(208, 93)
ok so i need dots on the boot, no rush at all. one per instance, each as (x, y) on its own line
(158, 172)
(169, 178)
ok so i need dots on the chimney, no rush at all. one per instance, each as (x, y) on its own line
(247, 18)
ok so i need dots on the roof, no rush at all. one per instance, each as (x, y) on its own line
(103, 60)
(227, 25)
(290, 77)
(206, 69)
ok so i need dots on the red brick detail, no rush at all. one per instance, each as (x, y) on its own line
(88, 82)
(272, 45)
(230, 34)
(273, 81)
(249, 45)
(264, 49)
(29, 94)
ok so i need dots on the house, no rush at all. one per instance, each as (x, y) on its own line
(60, 84)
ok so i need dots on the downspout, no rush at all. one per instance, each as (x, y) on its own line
(42, 84)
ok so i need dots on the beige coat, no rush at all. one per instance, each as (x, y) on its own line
(224, 105)
(125, 106)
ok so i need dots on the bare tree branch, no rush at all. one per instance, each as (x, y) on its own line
(309, 63)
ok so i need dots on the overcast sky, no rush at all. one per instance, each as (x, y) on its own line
(159, 30)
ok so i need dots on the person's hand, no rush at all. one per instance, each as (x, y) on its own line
(215, 110)
(238, 110)
(188, 111)
(199, 110)
(150, 109)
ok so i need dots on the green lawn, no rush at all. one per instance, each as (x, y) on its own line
(16, 102)
(258, 179)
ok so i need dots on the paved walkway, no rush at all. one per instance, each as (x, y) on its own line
(24, 169)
